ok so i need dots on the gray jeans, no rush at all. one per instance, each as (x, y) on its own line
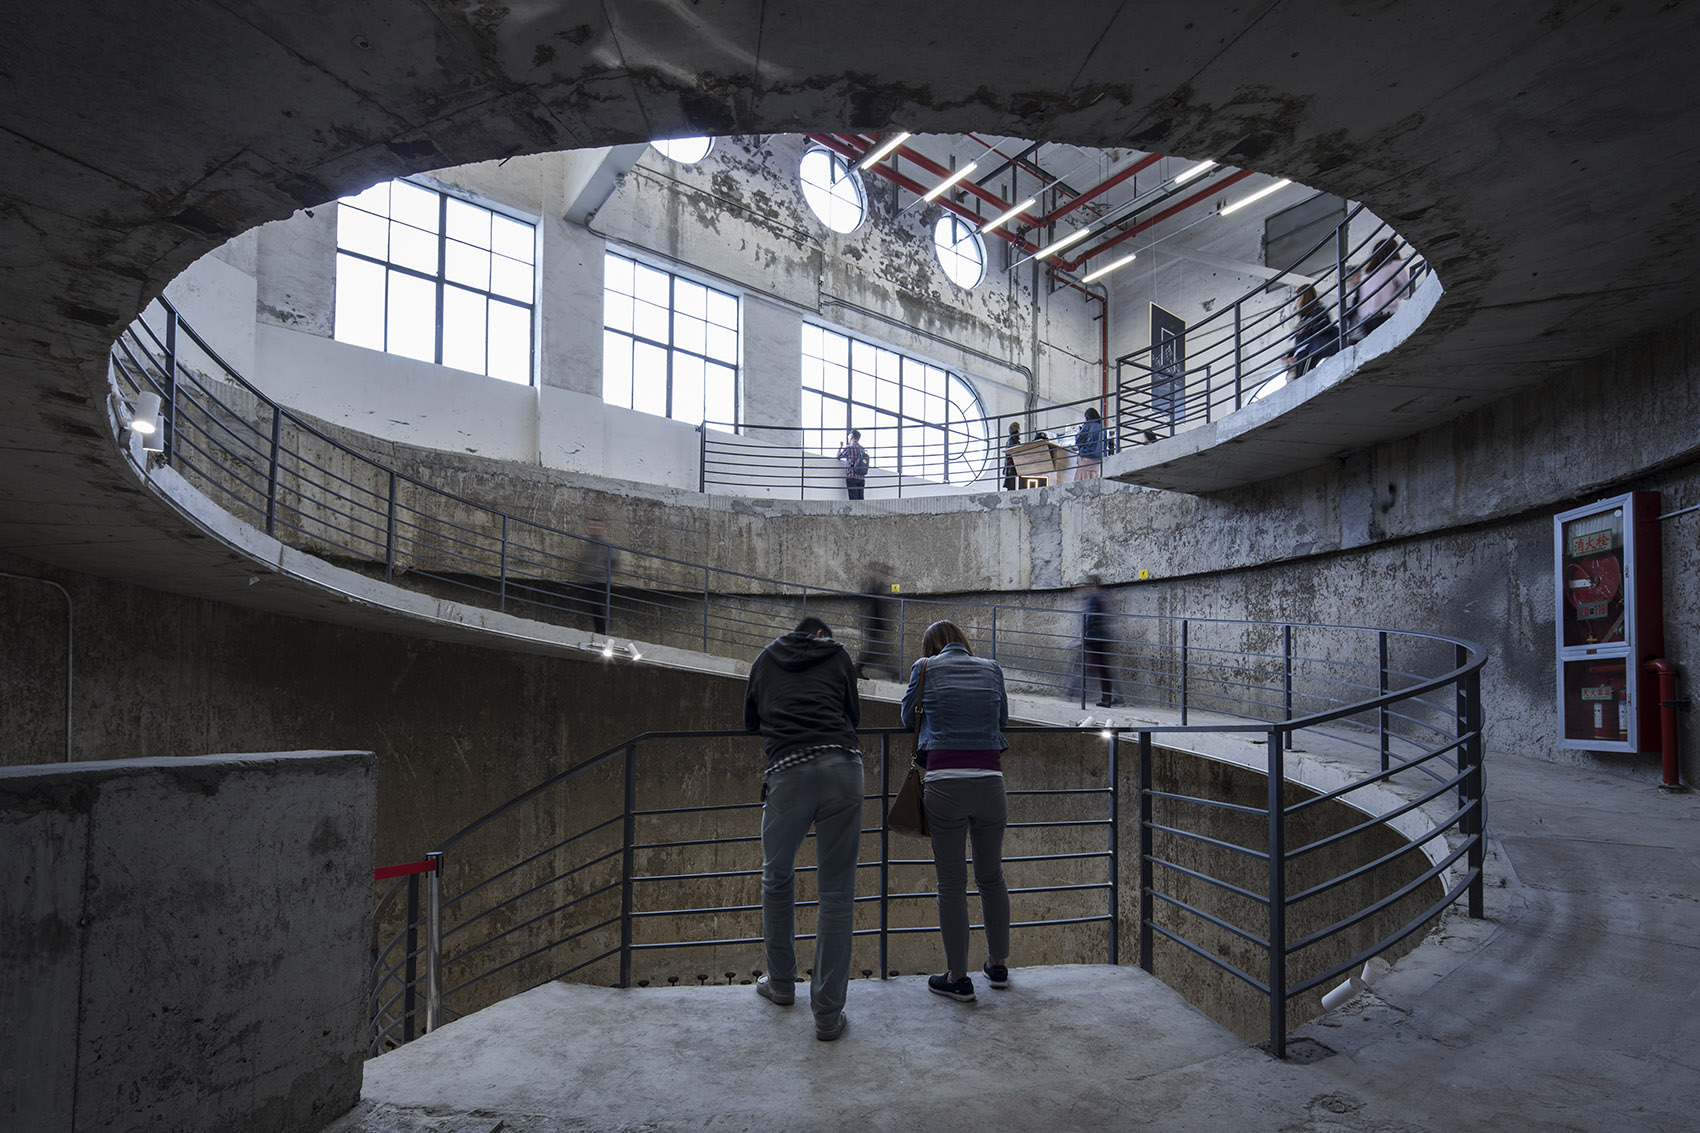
(826, 792)
(959, 810)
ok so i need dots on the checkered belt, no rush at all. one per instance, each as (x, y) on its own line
(804, 754)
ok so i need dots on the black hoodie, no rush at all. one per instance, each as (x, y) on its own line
(802, 692)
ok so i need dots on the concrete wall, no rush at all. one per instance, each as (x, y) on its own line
(183, 941)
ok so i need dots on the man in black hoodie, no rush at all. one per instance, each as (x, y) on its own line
(802, 698)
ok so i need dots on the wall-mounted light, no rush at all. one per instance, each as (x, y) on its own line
(1059, 245)
(1108, 268)
(143, 419)
(875, 156)
(1003, 218)
(1189, 173)
(933, 193)
(1257, 196)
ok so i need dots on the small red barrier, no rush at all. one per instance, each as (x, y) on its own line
(384, 873)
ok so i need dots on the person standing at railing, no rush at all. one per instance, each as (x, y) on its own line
(802, 698)
(854, 458)
(879, 648)
(1318, 336)
(1096, 643)
(963, 710)
(1384, 279)
(595, 574)
(1011, 476)
(1089, 446)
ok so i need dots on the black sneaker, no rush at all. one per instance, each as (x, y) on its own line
(996, 974)
(835, 1031)
(961, 990)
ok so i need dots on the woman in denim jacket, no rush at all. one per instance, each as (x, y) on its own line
(963, 710)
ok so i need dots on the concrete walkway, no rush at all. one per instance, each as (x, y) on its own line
(1574, 1006)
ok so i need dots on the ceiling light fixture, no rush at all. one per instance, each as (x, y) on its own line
(1058, 245)
(874, 156)
(951, 180)
(1188, 174)
(1257, 196)
(1108, 268)
(1004, 218)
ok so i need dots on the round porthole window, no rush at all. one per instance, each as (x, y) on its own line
(961, 251)
(832, 190)
(685, 151)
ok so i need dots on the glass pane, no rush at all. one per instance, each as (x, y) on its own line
(691, 298)
(720, 393)
(887, 395)
(374, 200)
(836, 380)
(514, 239)
(862, 358)
(649, 379)
(837, 348)
(687, 389)
(723, 309)
(835, 418)
(617, 271)
(886, 436)
(468, 265)
(890, 365)
(411, 319)
(463, 329)
(935, 381)
(359, 302)
(723, 344)
(685, 151)
(831, 190)
(652, 286)
(411, 248)
(617, 311)
(362, 232)
(690, 334)
(650, 321)
(468, 222)
(617, 369)
(811, 341)
(812, 405)
(510, 342)
(512, 278)
(413, 205)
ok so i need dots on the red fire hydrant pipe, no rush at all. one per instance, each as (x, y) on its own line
(1668, 735)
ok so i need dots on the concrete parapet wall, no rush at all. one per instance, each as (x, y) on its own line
(183, 941)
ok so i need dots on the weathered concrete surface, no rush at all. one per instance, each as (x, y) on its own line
(184, 941)
(1567, 1008)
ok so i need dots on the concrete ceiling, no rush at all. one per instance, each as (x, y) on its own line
(1541, 155)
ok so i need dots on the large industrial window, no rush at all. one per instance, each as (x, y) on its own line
(832, 190)
(669, 344)
(430, 276)
(962, 253)
(916, 418)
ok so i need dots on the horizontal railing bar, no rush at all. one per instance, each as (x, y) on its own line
(1260, 898)
(1387, 942)
(1202, 954)
(1225, 926)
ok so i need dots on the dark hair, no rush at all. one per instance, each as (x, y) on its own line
(1387, 250)
(855, 434)
(941, 634)
(1092, 413)
(1015, 428)
(812, 626)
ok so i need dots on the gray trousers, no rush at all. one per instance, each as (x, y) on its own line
(826, 792)
(960, 810)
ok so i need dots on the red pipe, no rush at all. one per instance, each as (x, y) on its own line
(1139, 166)
(1129, 233)
(1669, 737)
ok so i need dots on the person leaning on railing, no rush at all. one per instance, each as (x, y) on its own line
(963, 711)
(1089, 446)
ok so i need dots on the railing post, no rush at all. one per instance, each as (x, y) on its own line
(271, 469)
(607, 588)
(1147, 877)
(410, 961)
(1239, 369)
(1115, 850)
(993, 651)
(885, 850)
(1340, 280)
(502, 567)
(168, 391)
(389, 534)
(1185, 669)
(628, 861)
(902, 625)
(1287, 677)
(702, 457)
(1381, 714)
(1277, 897)
(434, 942)
(1472, 789)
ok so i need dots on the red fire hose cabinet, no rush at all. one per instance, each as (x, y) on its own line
(1610, 616)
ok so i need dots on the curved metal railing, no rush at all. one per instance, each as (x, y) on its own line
(1404, 706)
(1255, 345)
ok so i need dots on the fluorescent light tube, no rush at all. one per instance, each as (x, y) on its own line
(1058, 245)
(874, 156)
(1257, 196)
(1106, 270)
(951, 180)
(1010, 215)
(1188, 174)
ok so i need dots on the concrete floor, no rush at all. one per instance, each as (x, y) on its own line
(1572, 1007)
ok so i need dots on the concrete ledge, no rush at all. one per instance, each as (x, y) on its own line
(184, 941)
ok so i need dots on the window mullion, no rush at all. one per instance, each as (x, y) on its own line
(442, 270)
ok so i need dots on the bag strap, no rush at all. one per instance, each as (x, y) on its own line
(920, 695)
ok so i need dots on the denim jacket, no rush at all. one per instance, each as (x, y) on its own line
(964, 705)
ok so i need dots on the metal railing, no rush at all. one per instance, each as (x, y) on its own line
(1376, 689)
(1247, 349)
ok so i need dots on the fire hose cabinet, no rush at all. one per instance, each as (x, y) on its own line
(1609, 578)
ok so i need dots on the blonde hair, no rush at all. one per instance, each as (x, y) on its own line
(941, 634)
